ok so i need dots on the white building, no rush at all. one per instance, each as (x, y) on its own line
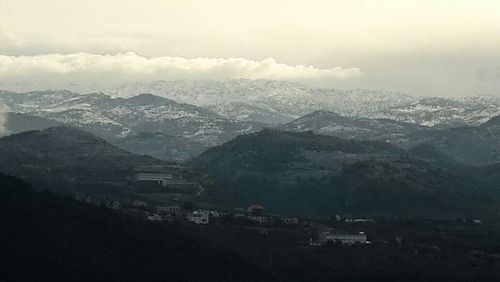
(199, 217)
(344, 238)
(160, 178)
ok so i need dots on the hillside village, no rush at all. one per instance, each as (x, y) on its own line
(344, 230)
(253, 216)
(183, 204)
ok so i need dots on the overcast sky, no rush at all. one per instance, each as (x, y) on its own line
(422, 47)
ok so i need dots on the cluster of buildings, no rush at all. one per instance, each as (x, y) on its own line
(340, 237)
(253, 214)
(169, 213)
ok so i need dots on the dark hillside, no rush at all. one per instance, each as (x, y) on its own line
(51, 238)
(315, 175)
(67, 159)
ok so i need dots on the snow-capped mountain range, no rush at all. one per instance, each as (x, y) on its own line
(114, 117)
(200, 114)
(333, 124)
(278, 102)
(275, 102)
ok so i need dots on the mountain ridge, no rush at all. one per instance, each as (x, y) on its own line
(314, 175)
(272, 102)
(281, 101)
(115, 118)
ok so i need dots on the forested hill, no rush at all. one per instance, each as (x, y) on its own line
(301, 173)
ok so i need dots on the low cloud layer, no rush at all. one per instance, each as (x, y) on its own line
(126, 66)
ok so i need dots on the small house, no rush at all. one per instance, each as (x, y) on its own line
(199, 217)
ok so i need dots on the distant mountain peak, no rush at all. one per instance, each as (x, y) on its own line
(148, 99)
(56, 134)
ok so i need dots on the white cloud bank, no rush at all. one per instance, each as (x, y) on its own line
(130, 66)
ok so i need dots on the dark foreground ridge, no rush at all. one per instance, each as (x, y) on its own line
(46, 237)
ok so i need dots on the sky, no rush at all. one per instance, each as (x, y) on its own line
(421, 47)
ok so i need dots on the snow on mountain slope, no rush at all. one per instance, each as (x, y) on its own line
(117, 117)
(442, 112)
(266, 100)
(470, 145)
(333, 124)
(32, 101)
(278, 102)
